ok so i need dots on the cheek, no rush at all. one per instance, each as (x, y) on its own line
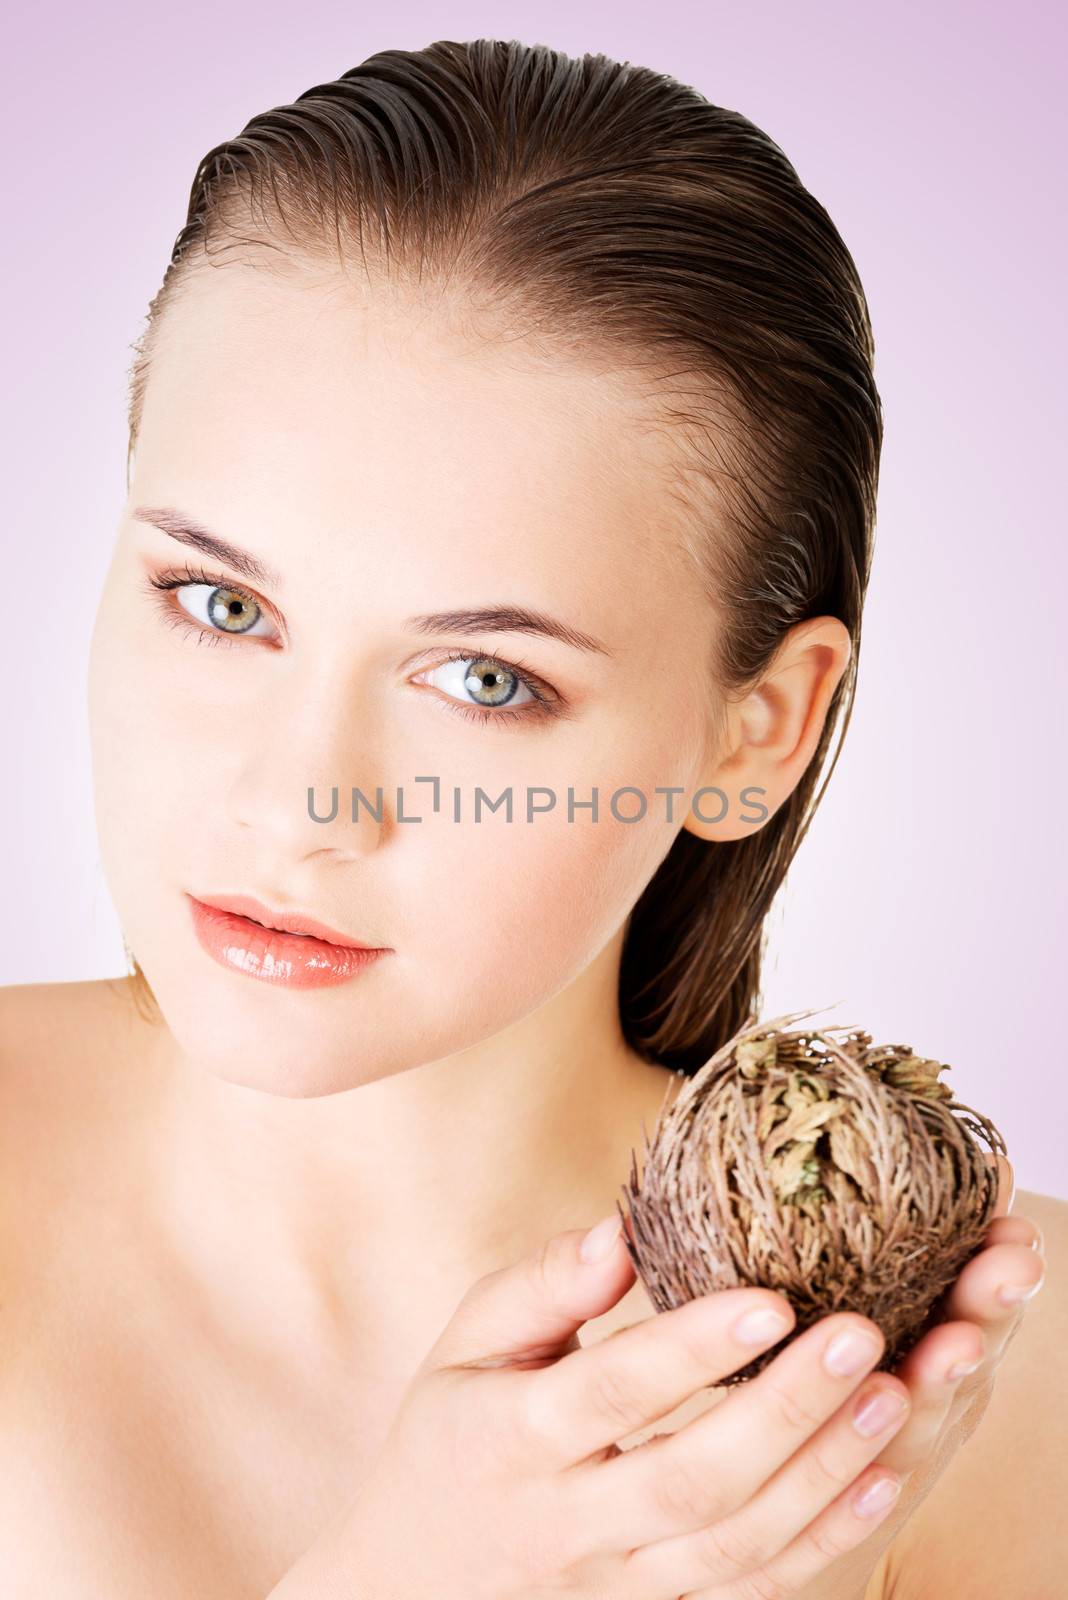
(512, 912)
(144, 769)
(489, 919)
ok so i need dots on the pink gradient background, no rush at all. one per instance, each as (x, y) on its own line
(927, 900)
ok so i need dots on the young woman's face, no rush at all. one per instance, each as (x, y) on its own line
(379, 466)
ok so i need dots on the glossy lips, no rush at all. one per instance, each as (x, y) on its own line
(295, 960)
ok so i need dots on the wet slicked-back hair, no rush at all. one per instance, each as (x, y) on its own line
(618, 216)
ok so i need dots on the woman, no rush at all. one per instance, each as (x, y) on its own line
(504, 449)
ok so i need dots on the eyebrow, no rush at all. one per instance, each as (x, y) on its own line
(480, 619)
(186, 531)
(506, 619)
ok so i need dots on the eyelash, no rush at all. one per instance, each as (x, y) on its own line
(546, 701)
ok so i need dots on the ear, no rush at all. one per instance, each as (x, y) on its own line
(768, 738)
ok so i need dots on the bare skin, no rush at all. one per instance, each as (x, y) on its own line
(231, 1237)
(174, 1443)
(183, 1429)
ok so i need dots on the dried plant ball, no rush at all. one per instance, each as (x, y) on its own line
(839, 1173)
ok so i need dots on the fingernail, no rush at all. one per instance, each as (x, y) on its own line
(760, 1326)
(1010, 1294)
(878, 1411)
(849, 1353)
(961, 1370)
(877, 1496)
(599, 1241)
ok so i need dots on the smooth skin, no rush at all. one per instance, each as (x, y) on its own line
(503, 1476)
(303, 1187)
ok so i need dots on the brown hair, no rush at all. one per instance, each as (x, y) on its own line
(617, 213)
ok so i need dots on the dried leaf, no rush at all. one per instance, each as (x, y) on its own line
(841, 1173)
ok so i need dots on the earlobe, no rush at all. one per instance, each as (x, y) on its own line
(772, 734)
(734, 796)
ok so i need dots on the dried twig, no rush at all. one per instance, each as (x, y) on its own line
(841, 1174)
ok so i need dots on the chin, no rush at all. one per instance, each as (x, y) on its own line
(295, 1043)
(291, 1079)
(299, 1064)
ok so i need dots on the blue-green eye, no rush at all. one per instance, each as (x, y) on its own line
(224, 608)
(220, 608)
(481, 688)
(486, 689)
(483, 681)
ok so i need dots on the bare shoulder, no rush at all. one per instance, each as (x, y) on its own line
(52, 1029)
(57, 1041)
(993, 1524)
(36, 1017)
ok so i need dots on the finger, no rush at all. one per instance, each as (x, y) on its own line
(934, 1372)
(1003, 1230)
(955, 1358)
(708, 1469)
(602, 1392)
(844, 1525)
(1016, 1229)
(977, 1294)
(722, 1551)
(531, 1312)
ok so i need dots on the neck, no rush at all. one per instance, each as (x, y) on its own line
(365, 1215)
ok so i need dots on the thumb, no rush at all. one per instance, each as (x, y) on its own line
(529, 1313)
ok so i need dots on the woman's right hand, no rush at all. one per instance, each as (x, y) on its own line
(501, 1477)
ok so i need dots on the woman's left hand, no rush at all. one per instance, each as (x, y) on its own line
(975, 1329)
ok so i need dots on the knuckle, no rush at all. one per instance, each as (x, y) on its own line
(819, 1473)
(695, 1344)
(760, 1584)
(726, 1552)
(785, 1407)
(611, 1394)
(680, 1495)
(824, 1537)
(537, 1424)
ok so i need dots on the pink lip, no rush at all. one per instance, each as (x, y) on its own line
(298, 953)
(246, 905)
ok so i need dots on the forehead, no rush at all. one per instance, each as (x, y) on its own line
(327, 403)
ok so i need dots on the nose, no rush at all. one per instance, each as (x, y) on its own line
(293, 782)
